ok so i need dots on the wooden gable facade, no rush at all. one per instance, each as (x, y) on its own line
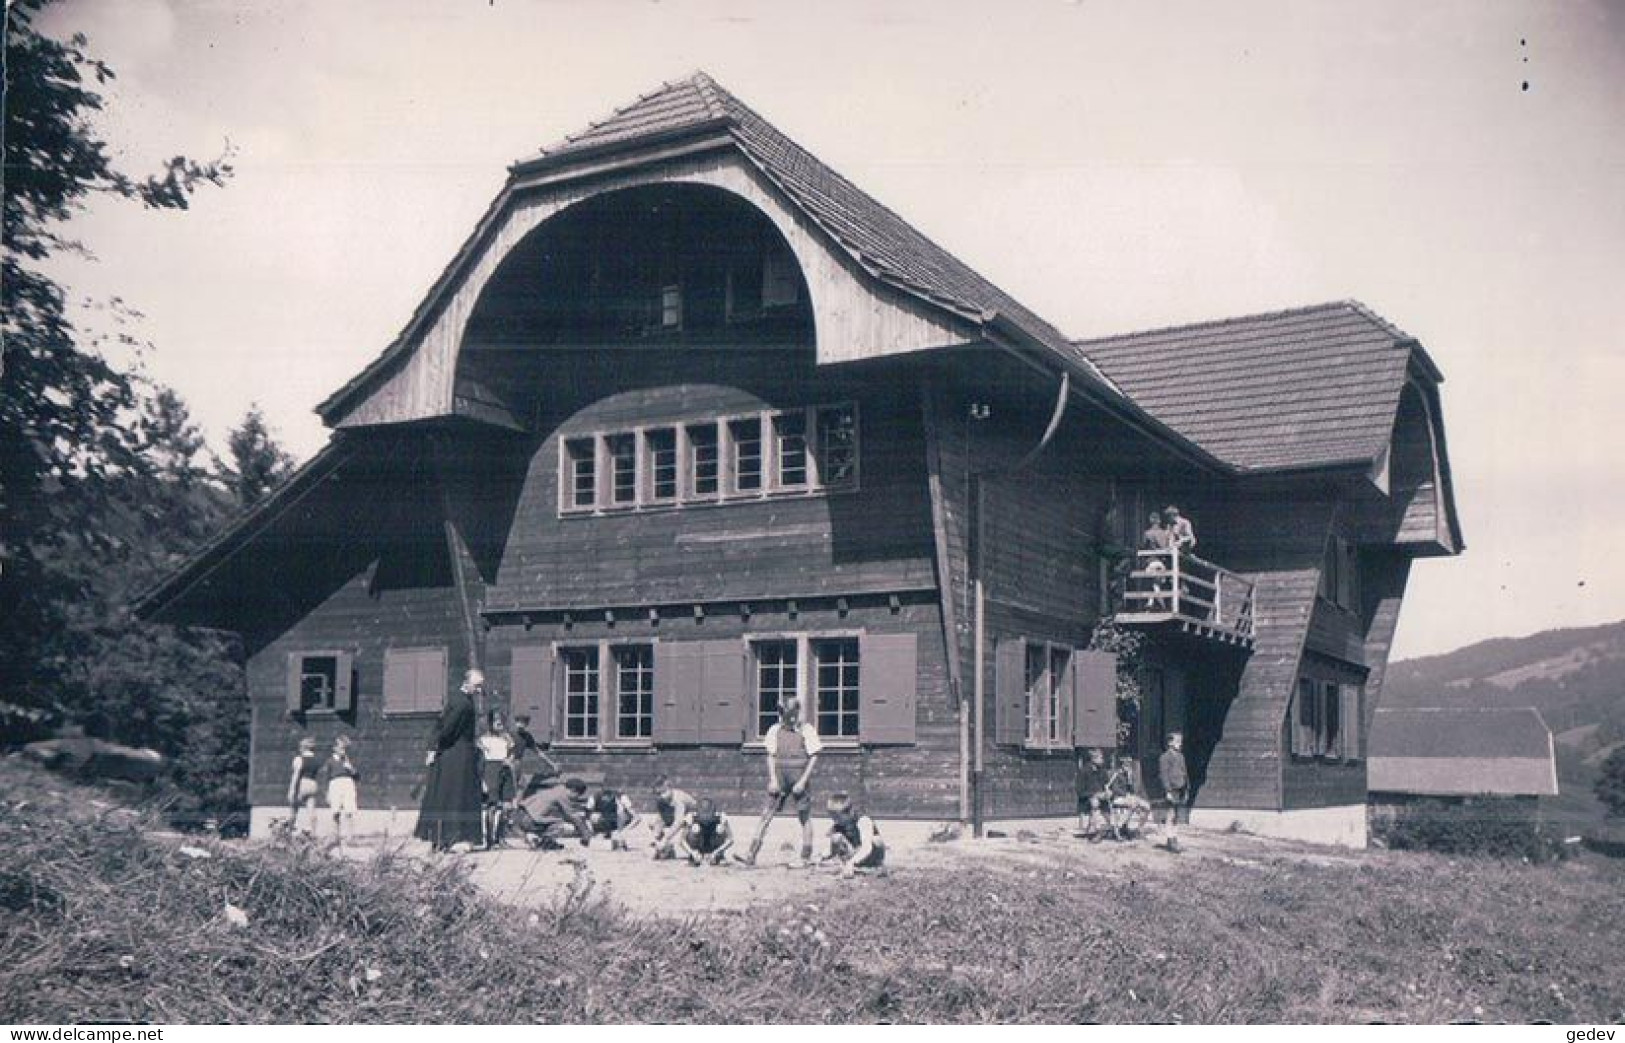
(690, 423)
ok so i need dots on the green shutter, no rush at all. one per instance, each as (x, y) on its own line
(532, 682)
(723, 709)
(295, 695)
(1353, 723)
(679, 686)
(1094, 699)
(888, 683)
(1010, 692)
(343, 683)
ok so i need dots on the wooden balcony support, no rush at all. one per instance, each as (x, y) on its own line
(1190, 593)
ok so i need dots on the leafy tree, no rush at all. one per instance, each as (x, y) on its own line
(62, 402)
(1610, 784)
(103, 480)
(258, 463)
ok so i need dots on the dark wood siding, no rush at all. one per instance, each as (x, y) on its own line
(364, 619)
(877, 538)
(1276, 537)
(918, 780)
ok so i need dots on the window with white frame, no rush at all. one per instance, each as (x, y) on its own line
(704, 463)
(581, 692)
(777, 675)
(634, 691)
(837, 446)
(622, 453)
(660, 450)
(836, 693)
(318, 681)
(822, 671)
(803, 451)
(581, 464)
(790, 450)
(1047, 678)
(745, 455)
(608, 692)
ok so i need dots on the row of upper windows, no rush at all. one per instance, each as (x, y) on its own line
(744, 457)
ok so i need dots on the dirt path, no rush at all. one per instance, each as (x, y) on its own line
(528, 878)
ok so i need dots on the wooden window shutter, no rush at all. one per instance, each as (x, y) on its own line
(532, 681)
(1094, 699)
(1010, 692)
(400, 682)
(888, 682)
(679, 685)
(722, 700)
(1302, 719)
(431, 683)
(1066, 701)
(1353, 730)
(344, 683)
(296, 664)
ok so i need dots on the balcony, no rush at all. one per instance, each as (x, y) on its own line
(1179, 589)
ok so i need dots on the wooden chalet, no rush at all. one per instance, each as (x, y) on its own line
(691, 422)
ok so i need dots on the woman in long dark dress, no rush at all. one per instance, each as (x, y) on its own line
(450, 814)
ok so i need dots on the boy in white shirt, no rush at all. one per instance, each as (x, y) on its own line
(792, 754)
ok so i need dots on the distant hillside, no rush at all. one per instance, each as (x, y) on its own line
(1575, 678)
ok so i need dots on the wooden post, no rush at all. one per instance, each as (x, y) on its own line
(979, 683)
(454, 549)
(979, 704)
(1173, 557)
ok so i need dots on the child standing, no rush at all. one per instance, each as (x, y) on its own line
(1175, 783)
(496, 776)
(341, 798)
(302, 786)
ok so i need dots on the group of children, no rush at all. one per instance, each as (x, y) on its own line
(550, 809)
(1109, 803)
(695, 829)
(339, 773)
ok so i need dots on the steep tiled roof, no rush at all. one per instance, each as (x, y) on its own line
(1462, 751)
(885, 245)
(1310, 387)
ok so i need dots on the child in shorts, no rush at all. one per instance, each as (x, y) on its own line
(302, 785)
(341, 780)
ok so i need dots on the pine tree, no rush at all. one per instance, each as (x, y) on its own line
(63, 404)
(258, 463)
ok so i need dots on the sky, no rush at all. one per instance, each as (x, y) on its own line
(1457, 166)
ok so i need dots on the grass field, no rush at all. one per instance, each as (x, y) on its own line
(103, 920)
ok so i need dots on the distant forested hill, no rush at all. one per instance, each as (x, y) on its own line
(1575, 677)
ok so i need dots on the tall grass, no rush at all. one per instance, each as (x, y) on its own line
(102, 920)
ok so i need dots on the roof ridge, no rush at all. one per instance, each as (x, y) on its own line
(694, 81)
(709, 88)
(1347, 303)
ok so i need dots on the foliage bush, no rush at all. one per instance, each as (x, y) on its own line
(100, 920)
(1479, 827)
(1610, 785)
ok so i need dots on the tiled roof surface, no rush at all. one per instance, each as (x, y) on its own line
(1310, 387)
(1462, 751)
(1454, 731)
(888, 247)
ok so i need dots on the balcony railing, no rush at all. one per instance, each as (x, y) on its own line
(1170, 586)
